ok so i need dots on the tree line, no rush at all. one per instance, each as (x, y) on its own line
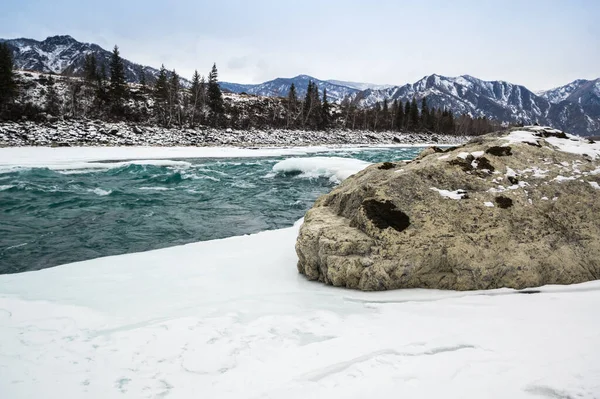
(409, 116)
(103, 93)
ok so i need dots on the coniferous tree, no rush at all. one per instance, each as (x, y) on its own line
(385, 114)
(90, 69)
(196, 95)
(325, 111)
(407, 121)
(400, 117)
(161, 96)
(307, 105)
(215, 97)
(414, 114)
(161, 89)
(118, 86)
(424, 122)
(291, 106)
(174, 111)
(8, 85)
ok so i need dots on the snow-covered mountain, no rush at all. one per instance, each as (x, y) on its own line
(359, 85)
(561, 93)
(66, 56)
(574, 107)
(281, 86)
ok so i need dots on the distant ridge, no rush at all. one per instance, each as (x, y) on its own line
(574, 107)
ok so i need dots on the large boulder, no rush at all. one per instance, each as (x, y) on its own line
(517, 209)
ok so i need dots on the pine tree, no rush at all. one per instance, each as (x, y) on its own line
(385, 114)
(325, 111)
(399, 116)
(215, 97)
(8, 85)
(195, 97)
(307, 105)
(118, 87)
(424, 114)
(291, 106)
(414, 114)
(161, 96)
(407, 122)
(161, 90)
(174, 114)
(90, 69)
(312, 106)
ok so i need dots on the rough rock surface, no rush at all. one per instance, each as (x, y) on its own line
(95, 132)
(514, 209)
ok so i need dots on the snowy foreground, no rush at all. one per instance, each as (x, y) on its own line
(233, 319)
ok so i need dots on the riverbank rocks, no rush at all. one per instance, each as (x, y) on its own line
(97, 133)
(518, 209)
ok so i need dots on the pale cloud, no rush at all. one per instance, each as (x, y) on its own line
(538, 43)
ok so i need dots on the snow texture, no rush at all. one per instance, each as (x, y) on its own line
(456, 195)
(572, 144)
(233, 319)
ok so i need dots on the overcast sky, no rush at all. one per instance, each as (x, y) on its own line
(537, 43)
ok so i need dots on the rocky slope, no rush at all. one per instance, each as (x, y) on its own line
(100, 133)
(516, 209)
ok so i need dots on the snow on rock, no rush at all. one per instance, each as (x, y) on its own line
(96, 133)
(334, 168)
(232, 319)
(562, 141)
(456, 195)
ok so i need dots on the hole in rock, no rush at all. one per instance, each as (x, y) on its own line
(385, 214)
(503, 202)
(499, 151)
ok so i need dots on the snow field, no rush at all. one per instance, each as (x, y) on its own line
(232, 318)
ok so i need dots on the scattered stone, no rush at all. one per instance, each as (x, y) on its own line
(79, 133)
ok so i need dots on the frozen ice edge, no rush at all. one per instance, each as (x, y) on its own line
(77, 157)
(232, 318)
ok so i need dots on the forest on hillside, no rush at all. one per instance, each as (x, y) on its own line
(102, 93)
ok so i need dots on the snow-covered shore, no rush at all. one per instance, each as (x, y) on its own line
(233, 319)
(98, 133)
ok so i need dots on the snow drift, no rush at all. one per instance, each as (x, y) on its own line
(232, 318)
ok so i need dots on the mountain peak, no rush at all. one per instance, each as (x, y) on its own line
(60, 39)
(304, 77)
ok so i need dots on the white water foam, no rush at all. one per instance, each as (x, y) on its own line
(99, 191)
(334, 168)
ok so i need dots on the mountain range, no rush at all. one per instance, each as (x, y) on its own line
(574, 107)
